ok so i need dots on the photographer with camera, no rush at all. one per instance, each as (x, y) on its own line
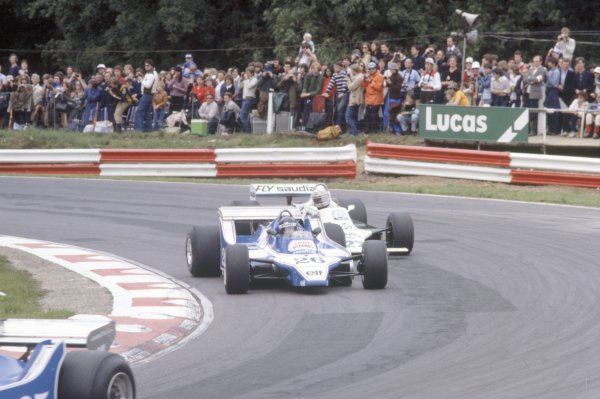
(565, 44)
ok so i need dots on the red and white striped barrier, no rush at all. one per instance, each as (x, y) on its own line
(505, 167)
(238, 162)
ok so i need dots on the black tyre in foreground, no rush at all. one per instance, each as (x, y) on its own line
(95, 375)
(359, 213)
(202, 251)
(374, 265)
(401, 232)
(237, 269)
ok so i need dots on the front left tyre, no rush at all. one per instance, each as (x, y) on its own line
(202, 251)
(95, 375)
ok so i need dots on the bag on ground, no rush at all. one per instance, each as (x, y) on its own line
(329, 133)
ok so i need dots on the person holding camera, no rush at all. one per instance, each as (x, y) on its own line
(565, 44)
(430, 82)
(373, 85)
(290, 84)
(265, 84)
(143, 117)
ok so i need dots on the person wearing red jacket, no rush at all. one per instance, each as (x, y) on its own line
(373, 85)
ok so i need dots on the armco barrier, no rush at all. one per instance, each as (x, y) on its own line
(557, 179)
(287, 155)
(438, 154)
(555, 162)
(238, 162)
(159, 169)
(402, 160)
(157, 156)
(340, 169)
(51, 169)
(49, 156)
(394, 166)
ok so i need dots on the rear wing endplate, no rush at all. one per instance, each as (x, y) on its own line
(91, 334)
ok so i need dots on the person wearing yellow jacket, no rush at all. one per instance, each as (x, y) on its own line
(373, 85)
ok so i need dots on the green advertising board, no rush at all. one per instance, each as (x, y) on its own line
(497, 124)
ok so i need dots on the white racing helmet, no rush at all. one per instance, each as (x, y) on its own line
(321, 197)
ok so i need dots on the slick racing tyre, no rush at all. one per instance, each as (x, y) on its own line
(374, 265)
(202, 251)
(359, 213)
(400, 231)
(95, 375)
(237, 269)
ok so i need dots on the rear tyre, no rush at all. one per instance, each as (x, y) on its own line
(374, 265)
(202, 251)
(237, 269)
(400, 231)
(359, 213)
(95, 375)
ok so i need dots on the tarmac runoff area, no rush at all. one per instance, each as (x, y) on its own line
(154, 313)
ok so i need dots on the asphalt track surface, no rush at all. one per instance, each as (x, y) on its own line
(498, 299)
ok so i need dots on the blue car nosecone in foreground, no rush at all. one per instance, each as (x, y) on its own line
(253, 243)
(47, 371)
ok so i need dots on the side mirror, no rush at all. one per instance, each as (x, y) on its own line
(351, 207)
(271, 232)
(316, 231)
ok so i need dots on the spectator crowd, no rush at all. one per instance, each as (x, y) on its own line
(375, 88)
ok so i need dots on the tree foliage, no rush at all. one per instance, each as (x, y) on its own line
(234, 32)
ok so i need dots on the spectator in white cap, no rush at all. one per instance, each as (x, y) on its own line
(472, 89)
(430, 82)
(467, 72)
(373, 85)
(100, 68)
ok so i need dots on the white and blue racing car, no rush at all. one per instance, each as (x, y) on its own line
(350, 214)
(47, 371)
(280, 243)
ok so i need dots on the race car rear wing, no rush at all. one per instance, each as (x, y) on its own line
(227, 213)
(288, 191)
(91, 334)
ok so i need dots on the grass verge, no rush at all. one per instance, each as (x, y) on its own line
(23, 296)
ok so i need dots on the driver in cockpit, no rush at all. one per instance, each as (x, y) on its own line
(288, 226)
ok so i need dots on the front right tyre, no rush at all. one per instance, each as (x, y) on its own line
(237, 269)
(95, 375)
(374, 265)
